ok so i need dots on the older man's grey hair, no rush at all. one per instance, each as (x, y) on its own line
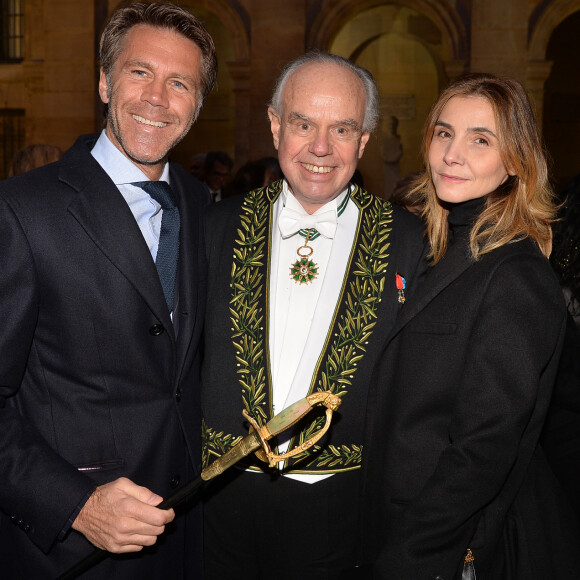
(316, 57)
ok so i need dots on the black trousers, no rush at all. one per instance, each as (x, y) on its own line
(258, 526)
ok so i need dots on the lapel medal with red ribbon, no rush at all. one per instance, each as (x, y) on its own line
(401, 285)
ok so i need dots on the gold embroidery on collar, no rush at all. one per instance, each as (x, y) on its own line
(351, 330)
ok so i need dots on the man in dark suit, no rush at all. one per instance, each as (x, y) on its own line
(99, 410)
(306, 277)
(216, 170)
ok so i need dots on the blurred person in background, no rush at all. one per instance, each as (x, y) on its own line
(250, 176)
(33, 156)
(196, 166)
(561, 437)
(216, 172)
(273, 169)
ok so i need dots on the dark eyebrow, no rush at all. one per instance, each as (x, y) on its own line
(483, 130)
(349, 122)
(137, 63)
(142, 64)
(470, 129)
(299, 116)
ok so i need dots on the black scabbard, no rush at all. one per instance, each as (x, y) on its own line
(249, 444)
(98, 555)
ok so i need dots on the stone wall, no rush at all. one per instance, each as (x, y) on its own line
(413, 47)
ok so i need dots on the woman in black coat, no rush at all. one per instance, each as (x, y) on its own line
(460, 396)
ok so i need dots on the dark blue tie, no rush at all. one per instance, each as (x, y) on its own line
(168, 250)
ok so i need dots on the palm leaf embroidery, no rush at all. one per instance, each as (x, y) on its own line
(351, 333)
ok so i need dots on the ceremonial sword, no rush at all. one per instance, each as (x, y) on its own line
(256, 442)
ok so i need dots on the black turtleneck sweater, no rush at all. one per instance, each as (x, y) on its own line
(462, 217)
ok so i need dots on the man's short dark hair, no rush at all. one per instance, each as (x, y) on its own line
(218, 157)
(160, 15)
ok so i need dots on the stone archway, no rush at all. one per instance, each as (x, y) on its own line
(227, 110)
(231, 19)
(330, 21)
(554, 82)
(412, 48)
(541, 29)
(542, 24)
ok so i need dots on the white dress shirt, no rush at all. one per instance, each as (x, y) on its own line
(123, 172)
(301, 314)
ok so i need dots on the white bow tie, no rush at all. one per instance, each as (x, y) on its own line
(292, 221)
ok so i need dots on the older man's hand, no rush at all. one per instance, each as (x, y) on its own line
(121, 517)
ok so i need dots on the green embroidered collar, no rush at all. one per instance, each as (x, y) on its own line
(351, 328)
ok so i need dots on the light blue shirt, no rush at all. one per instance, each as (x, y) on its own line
(123, 172)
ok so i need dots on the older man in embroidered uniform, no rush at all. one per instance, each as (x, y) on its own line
(306, 279)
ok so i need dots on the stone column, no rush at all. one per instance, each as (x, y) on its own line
(454, 68)
(391, 151)
(499, 34)
(277, 36)
(537, 74)
(240, 73)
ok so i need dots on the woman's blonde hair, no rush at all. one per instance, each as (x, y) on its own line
(522, 206)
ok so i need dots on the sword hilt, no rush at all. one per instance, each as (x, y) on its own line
(252, 442)
(286, 419)
(258, 436)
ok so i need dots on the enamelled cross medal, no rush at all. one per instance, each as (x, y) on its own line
(304, 270)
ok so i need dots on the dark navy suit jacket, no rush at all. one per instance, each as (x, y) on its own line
(94, 382)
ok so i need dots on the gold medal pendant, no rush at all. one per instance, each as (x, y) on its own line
(304, 270)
